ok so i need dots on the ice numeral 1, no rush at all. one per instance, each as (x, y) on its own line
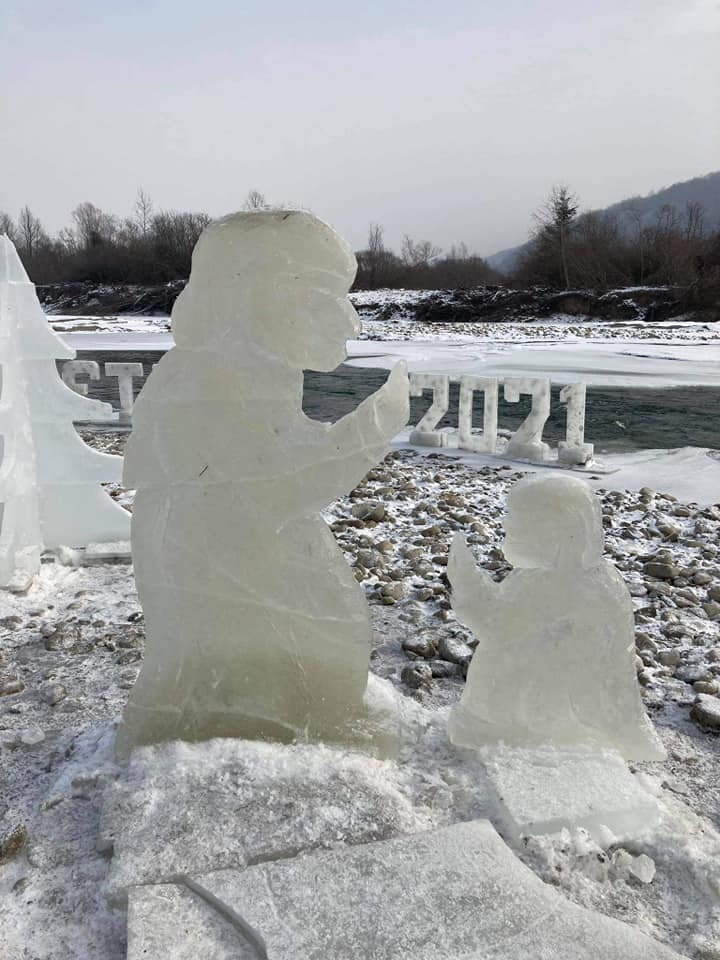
(527, 442)
(573, 448)
(487, 442)
(425, 433)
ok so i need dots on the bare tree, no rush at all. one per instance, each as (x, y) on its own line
(255, 201)
(30, 231)
(94, 226)
(418, 254)
(143, 212)
(7, 225)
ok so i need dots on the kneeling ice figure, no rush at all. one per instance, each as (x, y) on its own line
(555, 663)
(256, 626)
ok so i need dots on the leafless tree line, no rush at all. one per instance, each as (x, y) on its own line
(153, 246)
(600, 251)
(149, 246)
(420, 265)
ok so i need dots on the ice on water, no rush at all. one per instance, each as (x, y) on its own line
(255, 623)
(50, 493)
(555, 663)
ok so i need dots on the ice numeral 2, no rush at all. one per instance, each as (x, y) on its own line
(527, 443)
(424, 433)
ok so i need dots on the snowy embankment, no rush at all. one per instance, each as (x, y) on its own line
(73, 645)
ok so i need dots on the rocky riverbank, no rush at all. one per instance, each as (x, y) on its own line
(484, 305)
(72, 645)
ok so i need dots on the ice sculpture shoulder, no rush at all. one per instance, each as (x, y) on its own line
(256, 626)
(555, 663)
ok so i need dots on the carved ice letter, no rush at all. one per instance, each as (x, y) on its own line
(72, 368)
(125, 372)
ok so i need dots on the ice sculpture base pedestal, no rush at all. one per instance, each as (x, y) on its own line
(373, 727)
(427, 438)
(545, 790)
(457, 892)
(183, 808)
(571, 454)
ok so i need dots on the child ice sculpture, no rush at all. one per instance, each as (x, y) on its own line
(256, 626)
(555, 662)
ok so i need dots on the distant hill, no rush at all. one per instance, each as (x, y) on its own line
(703, 190)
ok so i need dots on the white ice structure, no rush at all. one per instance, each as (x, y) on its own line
(456, 893)
(125, 373)
(487, 442)
(527, 442)
(573, 448)
(544, 790)
(555, 663)
(256, 626)
(71, 369)
(425, 433)
(50, 493)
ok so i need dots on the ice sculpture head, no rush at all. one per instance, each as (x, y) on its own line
(553, 522)
(272, 285)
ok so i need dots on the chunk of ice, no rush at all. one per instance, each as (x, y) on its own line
(544, 790)
(457, 893)
(186, 808)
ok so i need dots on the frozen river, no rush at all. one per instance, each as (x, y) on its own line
(618, 418)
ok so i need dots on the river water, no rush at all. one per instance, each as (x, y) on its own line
(616, 419)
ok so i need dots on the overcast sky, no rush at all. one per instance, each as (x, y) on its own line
(445, 120)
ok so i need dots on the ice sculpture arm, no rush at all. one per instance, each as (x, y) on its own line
(357, 442)
(475, 596)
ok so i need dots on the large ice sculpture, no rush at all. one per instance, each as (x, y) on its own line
(256, 626)
(50, 492)
(555, 662)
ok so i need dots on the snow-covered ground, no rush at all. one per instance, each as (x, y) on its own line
(73, 643)
(70, 649)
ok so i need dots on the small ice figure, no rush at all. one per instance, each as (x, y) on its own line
(555, 663)
(256, 626)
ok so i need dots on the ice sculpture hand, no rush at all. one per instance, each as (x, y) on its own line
(387, 410)
(475, 595)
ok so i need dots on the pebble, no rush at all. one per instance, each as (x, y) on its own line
(706, 711)
(12, 842)
(420, 646)
(454, 650)
(418, 675)
(52, 693)
(660, 570)
(10, 687)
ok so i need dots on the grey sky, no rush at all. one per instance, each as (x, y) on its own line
(446, 120)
